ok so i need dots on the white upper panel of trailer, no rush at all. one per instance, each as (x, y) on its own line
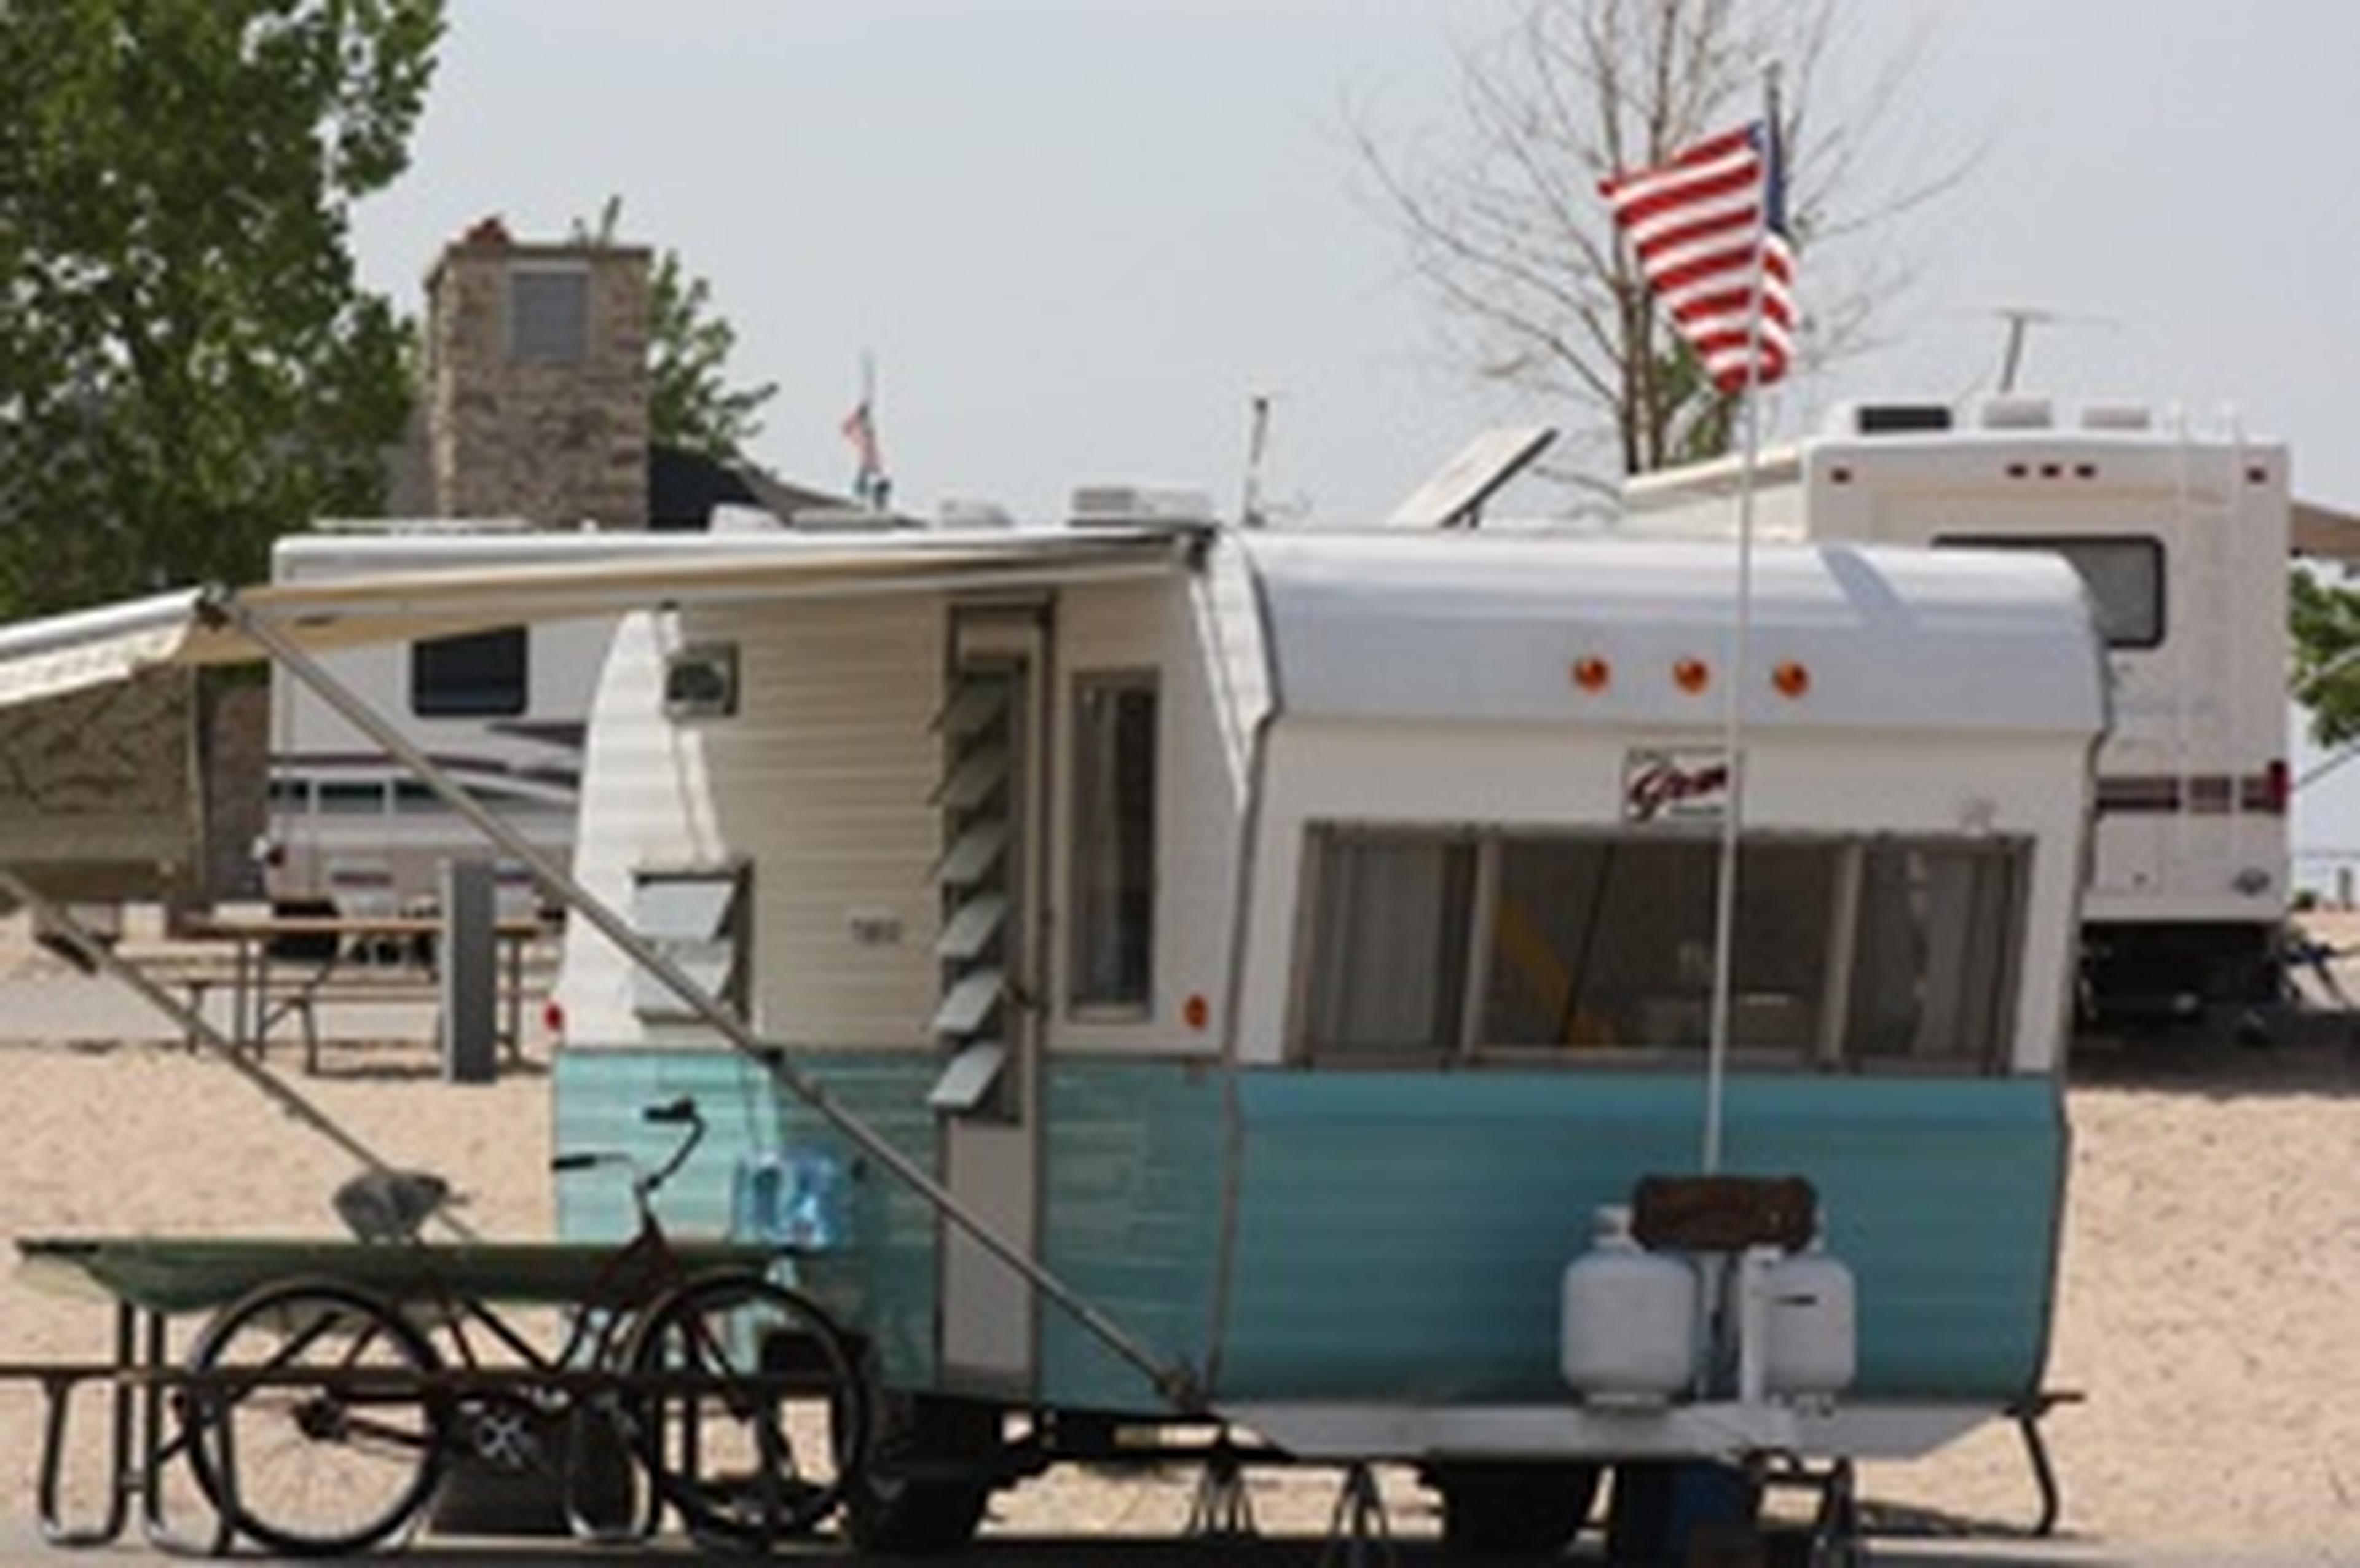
(1477, 628)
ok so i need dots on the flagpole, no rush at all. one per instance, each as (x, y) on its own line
(1732, 723)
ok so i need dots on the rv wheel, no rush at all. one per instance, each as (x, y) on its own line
(1513, 1509)
(927, 1478)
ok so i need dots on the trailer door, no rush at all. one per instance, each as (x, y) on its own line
(987, 1100)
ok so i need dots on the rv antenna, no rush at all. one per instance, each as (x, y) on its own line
(2019, 319)
(1250, 511)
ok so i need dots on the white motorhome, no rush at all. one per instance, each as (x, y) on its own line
(2181, 537)
(503, 710)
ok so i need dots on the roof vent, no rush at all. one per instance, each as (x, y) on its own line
(2117, 417)
(1102, 505)
(2016, 414)
(1901, 419)
(847, 520)
(964, 512)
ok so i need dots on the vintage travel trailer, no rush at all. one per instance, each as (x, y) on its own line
(1157, 974)
(2183, 535)
(1292, 939)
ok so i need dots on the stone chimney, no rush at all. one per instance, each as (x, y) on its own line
(536, 370)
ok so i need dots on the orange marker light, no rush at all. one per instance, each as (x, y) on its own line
(1196, 1012)
(1691, 675)
(1591, 674)
(1791, 678)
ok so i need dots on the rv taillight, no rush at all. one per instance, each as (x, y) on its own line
(553, 1017)
(2277, 787)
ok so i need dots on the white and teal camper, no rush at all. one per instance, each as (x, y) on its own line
(1290, 940)
(1162, 975)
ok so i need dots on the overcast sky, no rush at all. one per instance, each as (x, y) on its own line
(1078, 235)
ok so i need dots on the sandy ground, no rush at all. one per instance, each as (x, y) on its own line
(2210, 1304)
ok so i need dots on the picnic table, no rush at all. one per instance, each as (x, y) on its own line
(298, 955)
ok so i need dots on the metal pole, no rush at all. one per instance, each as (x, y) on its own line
(1173, 1379)
(1732, 820)
(202, 1031)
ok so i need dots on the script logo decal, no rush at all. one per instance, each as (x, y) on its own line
(1659, 786)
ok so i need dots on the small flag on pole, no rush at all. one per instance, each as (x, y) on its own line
(1701, 225)
(869, 485)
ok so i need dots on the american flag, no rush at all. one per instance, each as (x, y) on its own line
(859, 428)
(1696, 224)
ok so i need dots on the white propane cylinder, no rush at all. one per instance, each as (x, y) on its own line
(1629, 1318)
(1810, 1327)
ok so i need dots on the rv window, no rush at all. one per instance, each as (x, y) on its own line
(2124, 577)
(1389, 928)
(1114, 842)
(696, 919)
(1603, 943)
(483, 674)
(1931, 980)
(352, 797)
(549, 314)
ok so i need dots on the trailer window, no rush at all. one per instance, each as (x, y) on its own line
(1114, 842)
(697, 918)
(1876, 953)
(1390, 923)
(1932, 975)
(2124, 577)
(482, 674)
(1601, 943)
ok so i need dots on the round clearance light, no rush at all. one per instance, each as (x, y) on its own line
(1592, 673)
(1691, 675)
(1791, 678)
(1196, 1012)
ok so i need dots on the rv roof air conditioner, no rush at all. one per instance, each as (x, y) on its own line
(2016, 414)
(1102, 505)
(966, 512)
(2117, 417)
(847, 520)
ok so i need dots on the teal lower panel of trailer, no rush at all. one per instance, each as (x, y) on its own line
(1399, 1235)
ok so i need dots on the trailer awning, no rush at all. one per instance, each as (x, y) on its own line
(2323, 533)
(59, 654)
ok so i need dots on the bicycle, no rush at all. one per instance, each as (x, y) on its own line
(321, 1415)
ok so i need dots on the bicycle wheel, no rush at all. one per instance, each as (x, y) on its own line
(320, 1468)
(757, 1417)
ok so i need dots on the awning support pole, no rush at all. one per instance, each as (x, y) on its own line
(202, 1030)
(1171, 1378)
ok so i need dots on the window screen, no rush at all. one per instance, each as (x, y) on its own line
(482, 673)
(1114, 841)
(2124, 577)
(549, 315)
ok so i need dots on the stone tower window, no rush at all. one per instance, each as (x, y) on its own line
(548, 313)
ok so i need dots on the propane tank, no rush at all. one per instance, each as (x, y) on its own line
(1809, 1324)
(1629, 1318)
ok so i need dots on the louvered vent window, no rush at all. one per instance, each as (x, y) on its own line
(980, 737)
(696, 919)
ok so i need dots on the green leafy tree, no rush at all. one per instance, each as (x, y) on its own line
(690, 403)
(2324, 618)
(188, 366)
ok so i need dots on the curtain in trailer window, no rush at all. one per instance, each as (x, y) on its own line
(1931, 978)
(1389, 963)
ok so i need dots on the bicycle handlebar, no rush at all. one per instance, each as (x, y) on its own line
(682, 1111)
